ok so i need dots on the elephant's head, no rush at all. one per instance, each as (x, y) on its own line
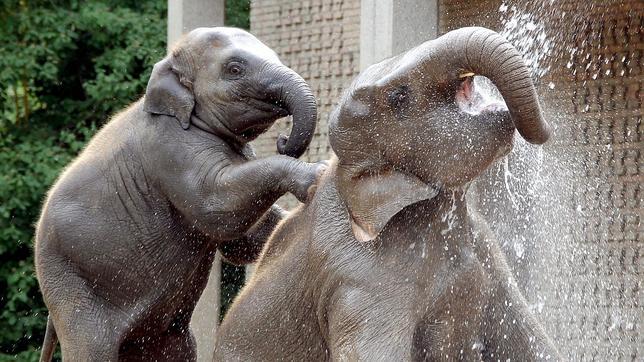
(226, 80)
(411, 125)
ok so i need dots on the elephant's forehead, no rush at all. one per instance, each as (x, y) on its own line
(404, 65)
(218, 36)
(373, 74)
(232, 40)
(254, 47)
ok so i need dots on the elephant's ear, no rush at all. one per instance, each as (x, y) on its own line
(374, 198)
(166, 95)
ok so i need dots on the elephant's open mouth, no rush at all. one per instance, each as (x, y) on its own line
(253, 132)
(274, 108)
(264, 117)
(477, 95)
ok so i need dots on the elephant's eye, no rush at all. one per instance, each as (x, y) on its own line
(399, 96)
(235, 69)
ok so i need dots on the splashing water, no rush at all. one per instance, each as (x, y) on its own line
(554, 209)
(479, 95)
(528, 35)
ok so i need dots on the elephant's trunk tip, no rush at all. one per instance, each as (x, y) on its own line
(282, 140)
(301, 103)
(540, 137)
(487, 53)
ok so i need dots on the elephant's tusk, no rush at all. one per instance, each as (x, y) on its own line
(465, 75)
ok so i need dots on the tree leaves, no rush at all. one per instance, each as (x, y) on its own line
(65, 68)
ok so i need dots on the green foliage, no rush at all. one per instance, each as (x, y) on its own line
(232, 281)
(238, 13)
(66, 66)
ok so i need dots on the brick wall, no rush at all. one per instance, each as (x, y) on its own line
(320, 40)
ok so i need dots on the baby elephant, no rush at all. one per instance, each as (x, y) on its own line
(129, 231)
(387, 262)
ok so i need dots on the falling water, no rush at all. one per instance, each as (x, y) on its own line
(536, 199)
(527, 33)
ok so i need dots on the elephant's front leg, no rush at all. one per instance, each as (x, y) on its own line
(269, 178)
(224, 202)
(246, 249)
(253, 186)
(218, 191)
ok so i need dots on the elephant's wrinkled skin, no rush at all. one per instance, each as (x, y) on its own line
(387, 262)
(129, 231)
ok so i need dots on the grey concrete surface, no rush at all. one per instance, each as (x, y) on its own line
(389, 27)
(183, 16)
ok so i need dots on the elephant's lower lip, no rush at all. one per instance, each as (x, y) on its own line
(260, 127)
(283, 112)
(254, 131)
(269, 107)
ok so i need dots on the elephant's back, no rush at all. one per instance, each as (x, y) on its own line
(276, 315)
(91, 171)
(98, 195)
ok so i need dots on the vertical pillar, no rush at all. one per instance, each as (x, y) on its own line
(389, 27)
(250, 269)
(205, 317)
(183, 16)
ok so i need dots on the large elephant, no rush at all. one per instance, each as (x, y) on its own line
(129, 231)
(387, 262)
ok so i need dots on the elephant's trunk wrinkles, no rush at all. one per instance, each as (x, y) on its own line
(298, 99)
(487, 53)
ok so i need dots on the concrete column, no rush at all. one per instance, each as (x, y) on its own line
(250, 269)
(389, 27)
(205, 318)
(183, 16)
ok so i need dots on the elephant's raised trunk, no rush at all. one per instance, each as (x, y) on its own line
(297, 97)
(485, 52)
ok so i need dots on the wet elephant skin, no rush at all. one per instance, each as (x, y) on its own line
(128, 233)
(388, 262)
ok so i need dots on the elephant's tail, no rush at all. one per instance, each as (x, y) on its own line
(49, 344)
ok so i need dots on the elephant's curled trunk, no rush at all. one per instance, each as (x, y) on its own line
(298, 99)
(485, 52)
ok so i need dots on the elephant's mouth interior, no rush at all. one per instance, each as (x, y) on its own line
(253, 132)
(476, 95)
(275, 108)
(270, 111)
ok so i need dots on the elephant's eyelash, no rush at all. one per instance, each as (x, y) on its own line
(399, 96)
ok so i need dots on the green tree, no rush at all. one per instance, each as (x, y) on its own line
(65, 67)
(238, 13)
